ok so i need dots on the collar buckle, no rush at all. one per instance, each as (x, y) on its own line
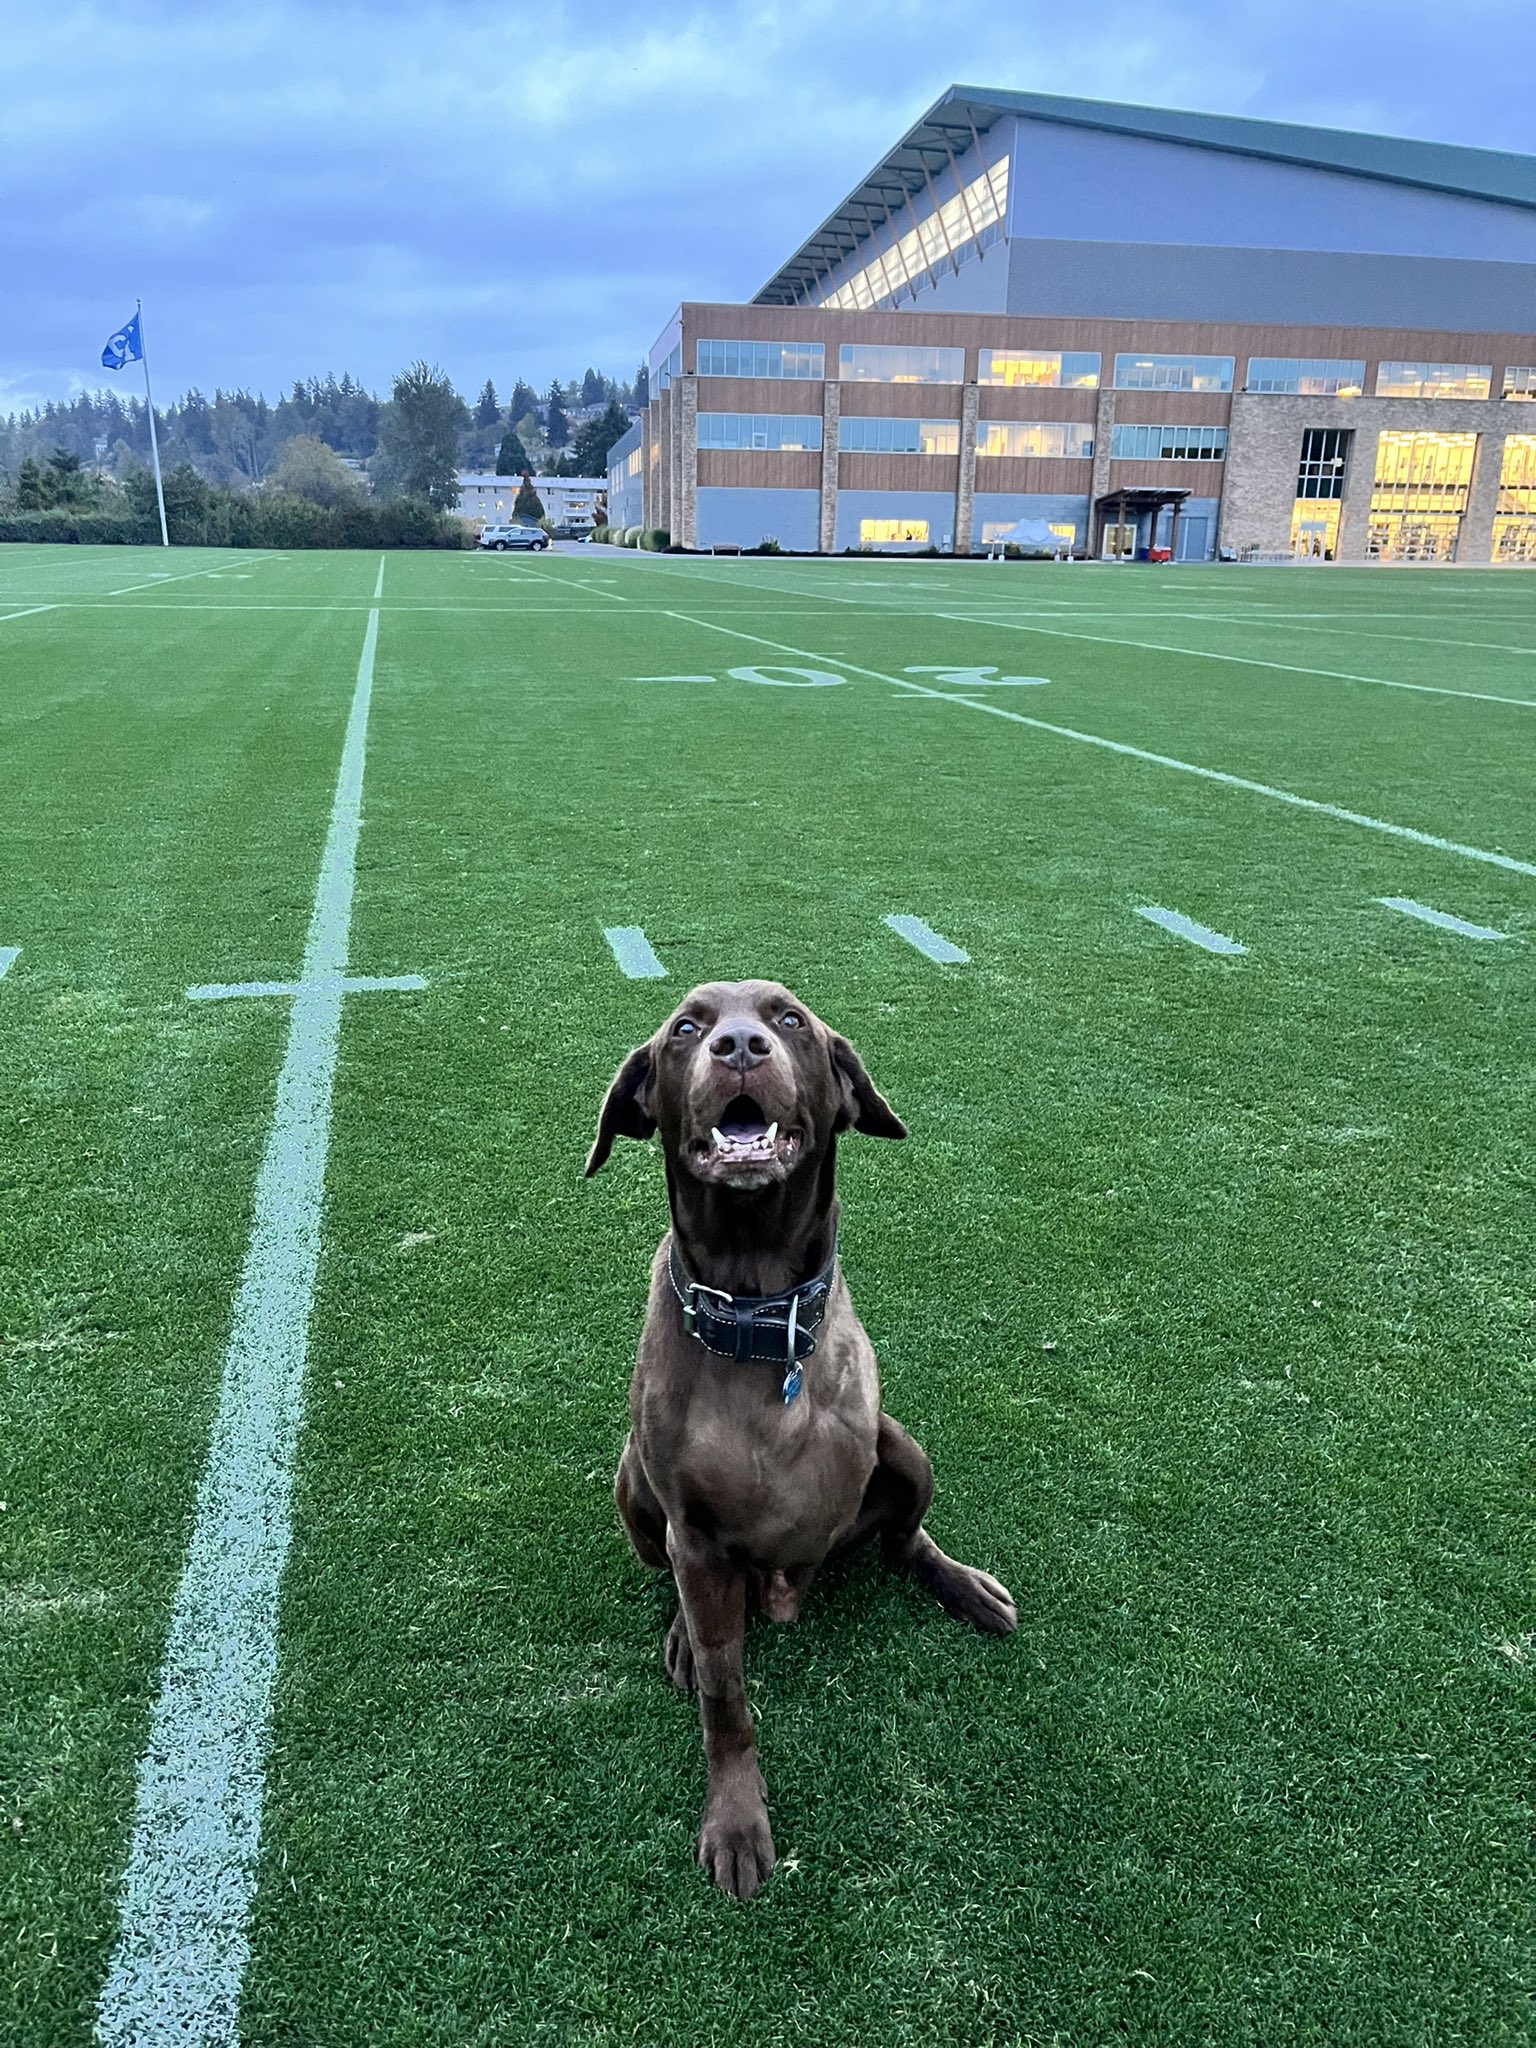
(690, 1303)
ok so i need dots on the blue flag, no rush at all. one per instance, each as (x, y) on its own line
(124, 347)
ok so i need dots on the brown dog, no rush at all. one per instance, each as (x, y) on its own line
(757, 1444)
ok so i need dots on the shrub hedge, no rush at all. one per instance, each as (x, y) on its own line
(198, 515)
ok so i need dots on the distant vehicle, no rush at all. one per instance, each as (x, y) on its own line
(503, 537)
(572, 529)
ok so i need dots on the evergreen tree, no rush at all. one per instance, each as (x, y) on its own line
(595, 439)
(594, 389)
(527, 504)
(523, 401)
(557, 428)
(487, 411)
(29, 486)
(511, 456)
(419, 437)
(643, 385)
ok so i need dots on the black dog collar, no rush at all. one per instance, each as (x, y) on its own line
(773, 1329)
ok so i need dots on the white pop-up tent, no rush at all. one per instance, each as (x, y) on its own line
(1027, 533)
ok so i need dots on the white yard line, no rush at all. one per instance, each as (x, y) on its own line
(217, 569)
(378, 581)
(9, 955)
(927, 941)
(1440, 918)
(1184, 927)
(632, 950)
(31, 612)
(182, 1946)
(1092, 739)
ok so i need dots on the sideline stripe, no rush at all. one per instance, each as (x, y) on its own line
(182, 1944)
(1290, 668)
(31, 612)
(1184, 927)
(1441, 918)
(378, 582)
(926, 940)
(1093, 739)
(632, 950)
(9, 955)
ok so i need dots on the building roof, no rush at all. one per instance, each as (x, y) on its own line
(964, 113)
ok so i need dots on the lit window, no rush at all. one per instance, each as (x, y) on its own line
(1168, 444)
(763, 431)
(1520, 383)
(878, 363)
(1305, 376)
(1018, 367)
(872, 532)
(1434, 380)
(786, 359)
(858, 436)
(1517, 475)
(1173, 373)
(1072, 439)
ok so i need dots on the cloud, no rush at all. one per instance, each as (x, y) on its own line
(295, 186)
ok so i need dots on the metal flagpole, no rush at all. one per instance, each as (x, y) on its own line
(154, 443)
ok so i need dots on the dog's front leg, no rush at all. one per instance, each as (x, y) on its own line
(735, 1843)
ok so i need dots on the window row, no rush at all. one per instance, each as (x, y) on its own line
(1168, 444)
(899, 437)
(858, 435)
(794, 359)
(790, 431)
(1079, 370)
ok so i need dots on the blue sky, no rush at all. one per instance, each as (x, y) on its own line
(523, 189)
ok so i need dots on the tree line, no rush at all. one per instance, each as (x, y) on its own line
(408, 444)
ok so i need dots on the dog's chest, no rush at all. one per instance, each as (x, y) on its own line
(777, 1483)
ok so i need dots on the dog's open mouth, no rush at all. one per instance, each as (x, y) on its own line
(745, 1142)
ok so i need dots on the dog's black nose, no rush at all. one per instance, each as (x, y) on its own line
(740, 1044)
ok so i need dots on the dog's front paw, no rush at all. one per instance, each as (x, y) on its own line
(736, 1842)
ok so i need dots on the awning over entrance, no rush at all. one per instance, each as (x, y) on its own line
(1130, 506)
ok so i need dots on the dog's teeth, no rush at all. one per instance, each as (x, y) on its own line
(770, 1134)
(719, 1138)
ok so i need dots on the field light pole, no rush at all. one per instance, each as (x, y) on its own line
(154, 442)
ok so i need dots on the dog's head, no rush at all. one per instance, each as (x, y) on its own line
(745, 1084)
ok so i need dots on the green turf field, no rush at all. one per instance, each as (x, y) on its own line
(1204, 1279)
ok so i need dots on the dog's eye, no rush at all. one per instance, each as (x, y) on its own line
(685, 1028)
(791, 1020)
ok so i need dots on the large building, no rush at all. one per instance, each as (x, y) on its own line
(1130, 327)
(490, 500)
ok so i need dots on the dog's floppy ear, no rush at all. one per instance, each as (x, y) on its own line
(626, 1107)
(864, 1108)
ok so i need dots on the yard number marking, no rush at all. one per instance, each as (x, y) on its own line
(1441, 918)
(788, 678)
(927, 941)
(1185, 928)
(632, 949)
(182, 1947)
(980, 678)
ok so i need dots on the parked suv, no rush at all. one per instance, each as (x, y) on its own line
(503, 537)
